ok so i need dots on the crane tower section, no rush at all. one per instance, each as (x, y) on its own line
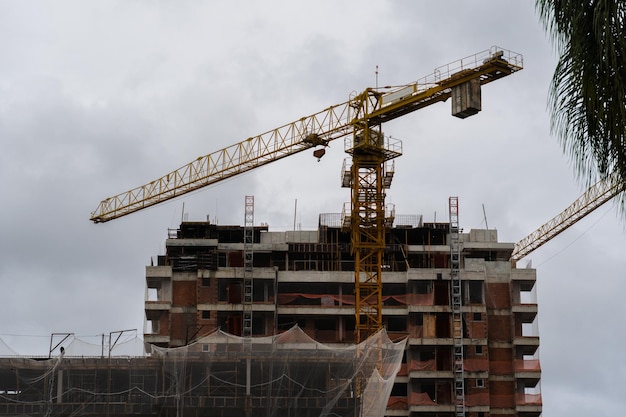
(368, 178)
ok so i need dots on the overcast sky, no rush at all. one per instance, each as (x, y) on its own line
(99, 97)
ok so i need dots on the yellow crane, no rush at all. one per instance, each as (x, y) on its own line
(359, 121)
(598, 194)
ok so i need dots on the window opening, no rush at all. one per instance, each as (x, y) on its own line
(475, 292)
(396, 324)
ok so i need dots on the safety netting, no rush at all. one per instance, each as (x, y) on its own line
(288, 374)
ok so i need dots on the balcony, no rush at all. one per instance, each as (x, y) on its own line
(422, 402)
(158, 272)
(397, 406)
(158, 305)
(525, 313)
(528, 405)
(427, 369)
(529, 369)
(476, 365)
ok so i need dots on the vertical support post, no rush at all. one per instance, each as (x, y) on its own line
(248, 376)
(60, 386)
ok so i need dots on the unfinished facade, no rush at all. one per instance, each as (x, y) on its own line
(297, 290)
(306, 278)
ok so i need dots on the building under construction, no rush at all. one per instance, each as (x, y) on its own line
(297, 290)
(306, 278)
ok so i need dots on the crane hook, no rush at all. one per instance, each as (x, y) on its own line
(318, 153)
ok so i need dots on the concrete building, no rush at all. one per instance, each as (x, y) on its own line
(306, 278)
(213, 278)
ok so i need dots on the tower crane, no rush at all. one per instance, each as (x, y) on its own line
(359, 121)
(598, 194)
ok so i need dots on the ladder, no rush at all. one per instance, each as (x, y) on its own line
(248, 252)
(457, 303)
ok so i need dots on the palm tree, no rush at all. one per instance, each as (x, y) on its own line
(587, 96)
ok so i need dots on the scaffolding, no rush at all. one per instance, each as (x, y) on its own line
(283, 375)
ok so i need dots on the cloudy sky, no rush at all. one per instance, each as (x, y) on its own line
(99, 97)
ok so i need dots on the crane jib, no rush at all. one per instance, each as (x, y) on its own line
(372, 107)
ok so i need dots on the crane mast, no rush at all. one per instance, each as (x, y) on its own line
(368, 176)
(370, 151)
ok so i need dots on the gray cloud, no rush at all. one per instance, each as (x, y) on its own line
(100, 97)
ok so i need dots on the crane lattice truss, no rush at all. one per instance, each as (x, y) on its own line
(594, 197)
(370, 151)
(307, 132)
(358, 121)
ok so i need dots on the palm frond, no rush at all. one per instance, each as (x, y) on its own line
(587, 98)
